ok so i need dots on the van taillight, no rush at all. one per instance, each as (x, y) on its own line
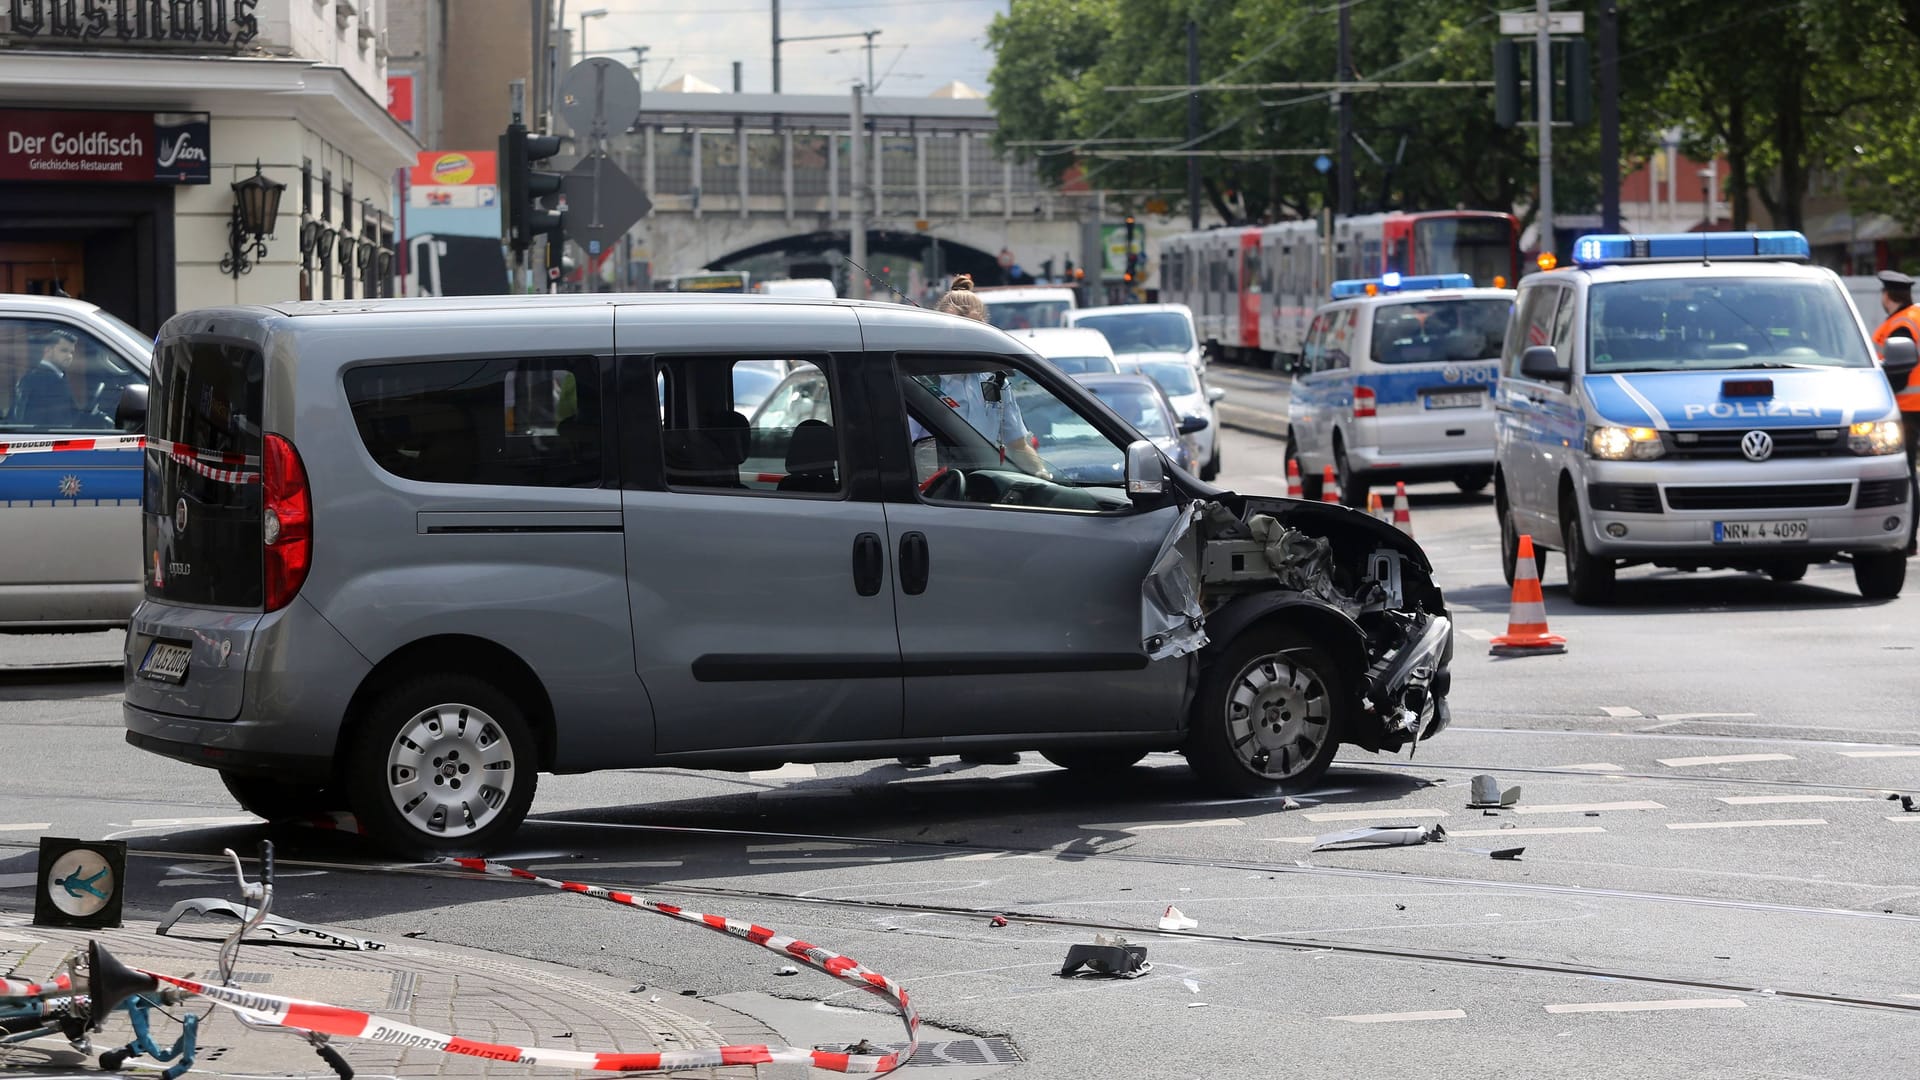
(286, 528)
(1363, 402)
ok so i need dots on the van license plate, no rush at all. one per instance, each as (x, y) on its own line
(1463, 400)
(165, 662)
(1758, 532)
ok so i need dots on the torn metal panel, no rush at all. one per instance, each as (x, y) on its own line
(1171, 620)
(273, 924)
(1381, 836)
(1107, 956)
(1486, 794)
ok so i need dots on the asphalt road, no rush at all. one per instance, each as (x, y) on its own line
(1713, 885)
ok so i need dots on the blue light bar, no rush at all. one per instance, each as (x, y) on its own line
(1393, 283)
(1613, 249)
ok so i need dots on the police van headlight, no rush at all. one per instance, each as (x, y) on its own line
(1624, 443)
(1875, 437)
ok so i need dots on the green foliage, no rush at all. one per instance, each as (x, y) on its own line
(1797, 94)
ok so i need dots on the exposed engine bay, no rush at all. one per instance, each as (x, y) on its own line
(1237, 559)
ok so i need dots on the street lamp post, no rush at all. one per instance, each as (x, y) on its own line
(596, 13)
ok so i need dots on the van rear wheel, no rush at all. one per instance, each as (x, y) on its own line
(276, 800)
(442, 765)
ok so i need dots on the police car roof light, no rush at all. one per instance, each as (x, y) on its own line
(1394, 282)
(1609, 249)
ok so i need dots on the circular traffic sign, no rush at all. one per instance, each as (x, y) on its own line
(599, 94)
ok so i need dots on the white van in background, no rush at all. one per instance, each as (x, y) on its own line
(815, 287)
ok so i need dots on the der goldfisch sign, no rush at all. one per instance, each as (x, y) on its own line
(133, 22)
(105, 147)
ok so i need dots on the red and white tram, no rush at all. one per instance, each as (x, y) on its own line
(1253, 289)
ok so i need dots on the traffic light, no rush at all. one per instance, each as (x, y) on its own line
(1579, 69)
(529, 205)
(1506, 82)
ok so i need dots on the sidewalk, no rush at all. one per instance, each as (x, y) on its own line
(476, 995)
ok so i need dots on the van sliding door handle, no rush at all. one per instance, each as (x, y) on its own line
(869, 563)
(914, 563)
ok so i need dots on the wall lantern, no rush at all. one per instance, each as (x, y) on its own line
(256, 207)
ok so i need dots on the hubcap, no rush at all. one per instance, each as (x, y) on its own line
(449, 770)
(1277, 716)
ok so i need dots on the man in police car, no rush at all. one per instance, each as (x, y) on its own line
(1903, 320)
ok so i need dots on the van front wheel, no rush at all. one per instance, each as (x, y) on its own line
(1880, 574)
(443, 765)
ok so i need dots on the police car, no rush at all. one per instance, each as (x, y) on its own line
(1393, 383)
(1694, 401)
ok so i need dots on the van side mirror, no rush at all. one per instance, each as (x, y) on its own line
(1543, 363)
(1145, 473)
(1901, 356)
(131, 412)
(1191, 424)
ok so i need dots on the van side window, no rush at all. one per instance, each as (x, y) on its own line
(1532, 325)
(740, 424)
(526, 422)
(1337, 343)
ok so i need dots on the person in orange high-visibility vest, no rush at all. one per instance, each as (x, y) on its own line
(1903, 320)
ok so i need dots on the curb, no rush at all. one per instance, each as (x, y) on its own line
(1254, 421)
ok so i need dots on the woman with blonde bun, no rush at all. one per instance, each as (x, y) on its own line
(961, 300)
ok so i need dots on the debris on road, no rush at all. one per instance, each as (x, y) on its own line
(1508, 853)
(787, 969)
(1175, 919)
(1382, 836)
(1106, 956)
(1486, 794)
(997, 921)
(274, 925)
(1191, 985)
(1907, 802)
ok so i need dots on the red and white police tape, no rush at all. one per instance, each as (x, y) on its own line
(204, 462)
(353, 1024)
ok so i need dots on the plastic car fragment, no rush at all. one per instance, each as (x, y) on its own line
(1486, 794)
(1372, 836)
(1106, 956)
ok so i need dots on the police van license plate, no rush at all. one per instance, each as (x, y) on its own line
(165, 662)
(1466, 399)
(1758, 532)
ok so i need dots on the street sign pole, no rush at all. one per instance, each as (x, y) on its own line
(599, 99)
(1543, 94)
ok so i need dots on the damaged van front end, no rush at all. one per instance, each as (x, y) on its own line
(1330, 582)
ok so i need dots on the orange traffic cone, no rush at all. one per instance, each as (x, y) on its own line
(1375, 507)
(1329, 486)
(1402, 513)
(1527, 619)
(1293, 479)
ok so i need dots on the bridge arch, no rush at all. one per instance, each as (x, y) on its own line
(821, 254)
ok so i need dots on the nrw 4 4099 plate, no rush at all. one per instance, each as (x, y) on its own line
(1759, 532)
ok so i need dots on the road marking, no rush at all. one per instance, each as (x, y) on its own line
(1675, 718)
(1745, 824)
(1649, 1006)
(1620, 711)
(1477, 635)
(159, 822)
(1374, 815)
(1294, 839)
(17, 881)
(821, 860)
(1879, 753)
(1395, 1018)
(1527, 832)
(1721, 759)
(30, 826)
(1903, 817)
(1594, 766)
(1226, 822)
(794, 771)
(1592, 807)
(1781, 800)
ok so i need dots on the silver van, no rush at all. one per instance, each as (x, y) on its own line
(470, 540)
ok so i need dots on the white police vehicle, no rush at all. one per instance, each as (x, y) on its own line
(1393, 383)
(1698, 400)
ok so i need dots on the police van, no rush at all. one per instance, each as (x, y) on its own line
(1699, 401)
(1393, 383)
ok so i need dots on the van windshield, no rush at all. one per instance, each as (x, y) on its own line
(1689, 324)
(201, 509)
(1439, 331)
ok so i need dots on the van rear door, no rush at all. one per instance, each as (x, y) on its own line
(1431, 364)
